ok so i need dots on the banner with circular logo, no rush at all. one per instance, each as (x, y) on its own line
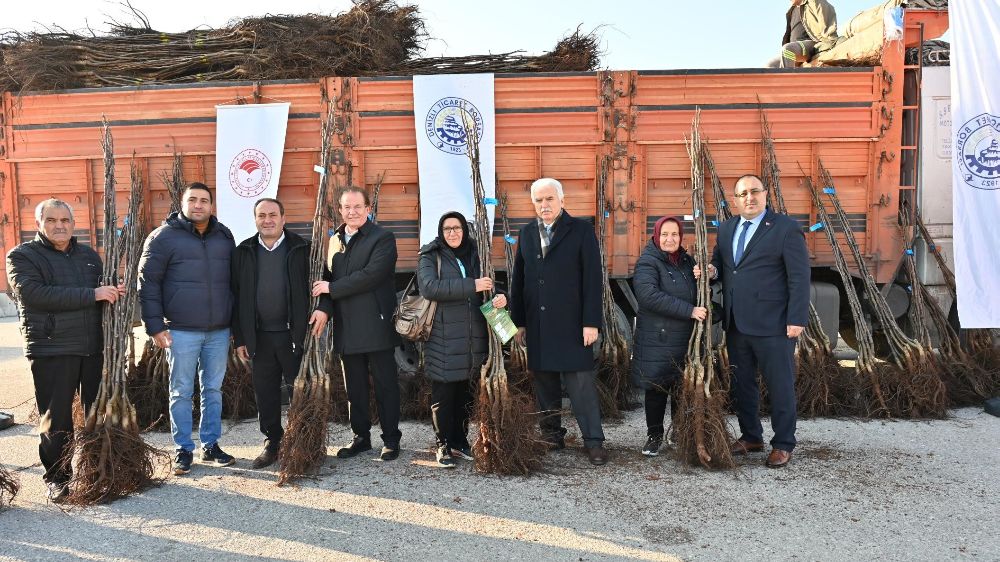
(249, 146)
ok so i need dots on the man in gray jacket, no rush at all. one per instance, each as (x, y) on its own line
(186, 305)
(57, 283)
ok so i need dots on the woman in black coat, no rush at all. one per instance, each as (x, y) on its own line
(665, 288)
(448, 273)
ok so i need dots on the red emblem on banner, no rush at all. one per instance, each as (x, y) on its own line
(249, 173)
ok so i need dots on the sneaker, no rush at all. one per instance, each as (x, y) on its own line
(182, 462)
(464, 453)
(389, 453)
(216, 456)
(444, 457)
(57, 491)
(356, 446)
(266, 458)
(652, 446)
(6, 420)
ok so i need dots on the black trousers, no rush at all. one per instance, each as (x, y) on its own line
(57, 380)
(275, 364)
(451, 408)
(774, 355)
(581, 387)
(386, 380)
(655, 401)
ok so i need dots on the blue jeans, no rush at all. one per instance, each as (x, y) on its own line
(204, 353)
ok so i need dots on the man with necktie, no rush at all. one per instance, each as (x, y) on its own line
(763, 263)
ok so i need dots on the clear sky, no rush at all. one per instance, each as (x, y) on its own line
(635, 34)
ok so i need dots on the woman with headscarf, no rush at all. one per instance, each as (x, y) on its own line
(448, 273)
(665, 288)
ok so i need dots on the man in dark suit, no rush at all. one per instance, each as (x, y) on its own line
(764, 267)
(556, 304)
(361, 281)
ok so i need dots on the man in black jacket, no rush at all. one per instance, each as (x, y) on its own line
(764, 266)
(556, 304)
(361, 281)
(270, 279)
(186, 306)
(57, 284)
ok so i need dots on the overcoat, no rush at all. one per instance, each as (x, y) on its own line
(555, 297)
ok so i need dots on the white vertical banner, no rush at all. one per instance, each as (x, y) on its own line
(975, 106)
(249, 147)
(442, 106)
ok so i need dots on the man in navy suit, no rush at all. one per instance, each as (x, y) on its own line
(764, 268)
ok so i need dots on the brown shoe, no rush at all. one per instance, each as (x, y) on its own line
(266, 458)
(598, 455)
(778, 458)
(741, 447)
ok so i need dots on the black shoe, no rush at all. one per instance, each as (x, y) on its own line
(6, 420)
(182, 462)
(356, 446)
(443, 457)
(555, 444)
(389, 453)
(464, 453)
(652, 446)
(216, 456)
(266, 458)
(57, 491)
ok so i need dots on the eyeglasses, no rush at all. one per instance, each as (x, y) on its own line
(355, 209)
(452, 229)
(754, 192)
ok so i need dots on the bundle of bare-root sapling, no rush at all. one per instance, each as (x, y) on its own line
(509, 442)
(112, 460)
(917, 373)
(867, 397)
(722, 214)
(613, 377)
(149, 381)
(821, 388)
(517, 366)
(701, 432)
(9, 486)
(303, 448)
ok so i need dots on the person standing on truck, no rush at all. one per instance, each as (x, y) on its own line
(360, 278)
(186, 303)
(810, 28)
(448, 273)
(270, 283)
(556, 304)
(763, 264)
(666, 292)
(56, 282)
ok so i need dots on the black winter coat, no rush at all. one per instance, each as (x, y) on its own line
(55, 297)
(298, 300)
(556, 297)
(666, 295)
(184, 277)
(363, 289)
(458, 343)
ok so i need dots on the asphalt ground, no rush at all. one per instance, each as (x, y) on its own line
(855, 490)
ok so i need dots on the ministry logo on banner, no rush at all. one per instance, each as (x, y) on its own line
(976, 143)
(249, 148)
(445, 109)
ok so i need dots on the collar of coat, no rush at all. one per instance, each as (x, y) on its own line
(293, 240)
(47, 244)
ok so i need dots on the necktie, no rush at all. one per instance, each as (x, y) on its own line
(741, 244)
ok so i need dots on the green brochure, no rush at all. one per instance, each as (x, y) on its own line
(499, 320)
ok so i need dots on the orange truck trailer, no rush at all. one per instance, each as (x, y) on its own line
(863, 122)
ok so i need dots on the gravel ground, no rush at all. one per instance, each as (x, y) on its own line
(854, 491)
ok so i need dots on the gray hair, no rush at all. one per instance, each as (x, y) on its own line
(50, 203)
(547, 182)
